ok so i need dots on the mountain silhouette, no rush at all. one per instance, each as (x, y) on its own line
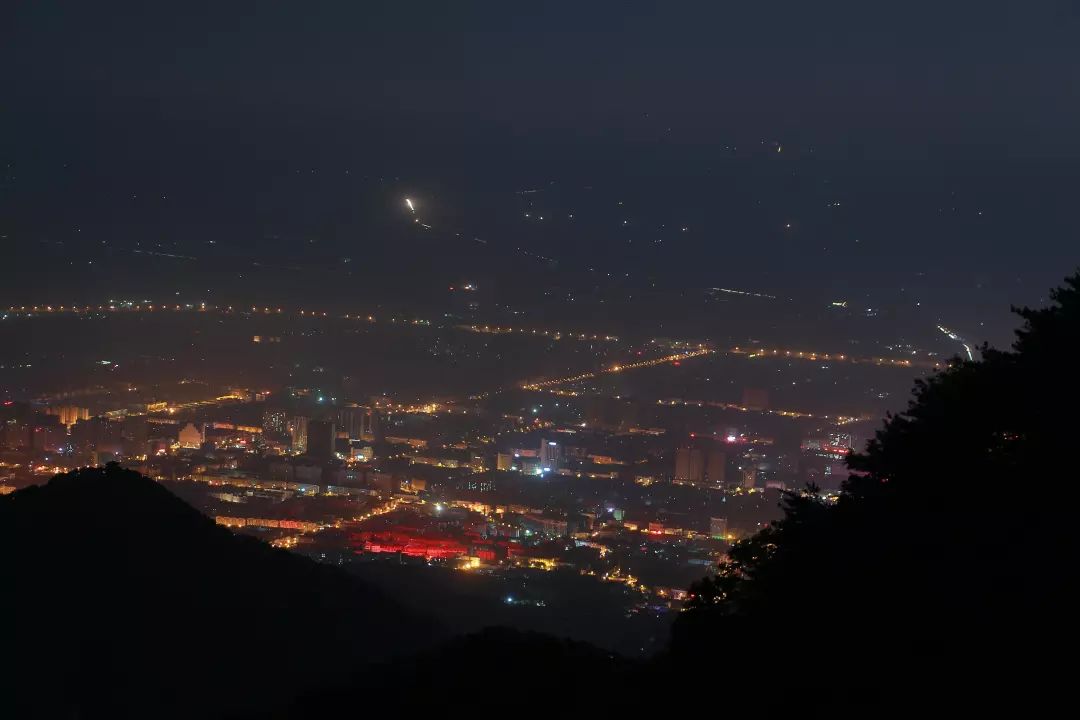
(125, 601)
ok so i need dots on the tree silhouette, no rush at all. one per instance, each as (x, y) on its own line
(951, 545)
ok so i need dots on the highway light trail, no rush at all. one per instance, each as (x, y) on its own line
(622, 367)
(750, 353)
(744, 292)
(793, 414)
(753, 353)
(953, 336)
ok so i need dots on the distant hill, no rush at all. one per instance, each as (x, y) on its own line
(123, 601)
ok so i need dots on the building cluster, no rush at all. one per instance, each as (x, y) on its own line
(598, 487)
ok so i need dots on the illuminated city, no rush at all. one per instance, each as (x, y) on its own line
(585, 357)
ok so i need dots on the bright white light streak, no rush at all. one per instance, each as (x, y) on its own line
(953, 336)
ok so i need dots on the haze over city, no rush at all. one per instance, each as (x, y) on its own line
(601, 338)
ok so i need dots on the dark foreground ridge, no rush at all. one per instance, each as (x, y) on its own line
(124, 600)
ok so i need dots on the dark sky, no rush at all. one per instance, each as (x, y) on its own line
(287, 133)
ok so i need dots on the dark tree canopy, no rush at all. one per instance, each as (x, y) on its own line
(952, 545)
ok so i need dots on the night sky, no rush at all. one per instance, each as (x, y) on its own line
(919, 154)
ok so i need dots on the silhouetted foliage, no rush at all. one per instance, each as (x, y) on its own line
(952, 550)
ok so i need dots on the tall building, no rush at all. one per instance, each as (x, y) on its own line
(690, 465)
(373, 430)
(717, 527)
(359, 423)
(351, 421)
(321, 438)
(550, 455)
(298, 432)
(68, 414)
(716, 467)
(275, 422)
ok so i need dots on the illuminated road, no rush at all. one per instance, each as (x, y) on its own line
(749, 353)
(794, 414)
(553, 334)
(791, 414)
(548, 384)
(752, 353)
(953, 336)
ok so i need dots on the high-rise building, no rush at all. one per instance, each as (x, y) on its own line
(68, 414)
(275, 422)
(321, 438)
(504, 461)
(298, 432)
(550, 455)
(374, 432)
(716, 467)
(690, 465)
(351, 421)
(359, 422)
(718, 527)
